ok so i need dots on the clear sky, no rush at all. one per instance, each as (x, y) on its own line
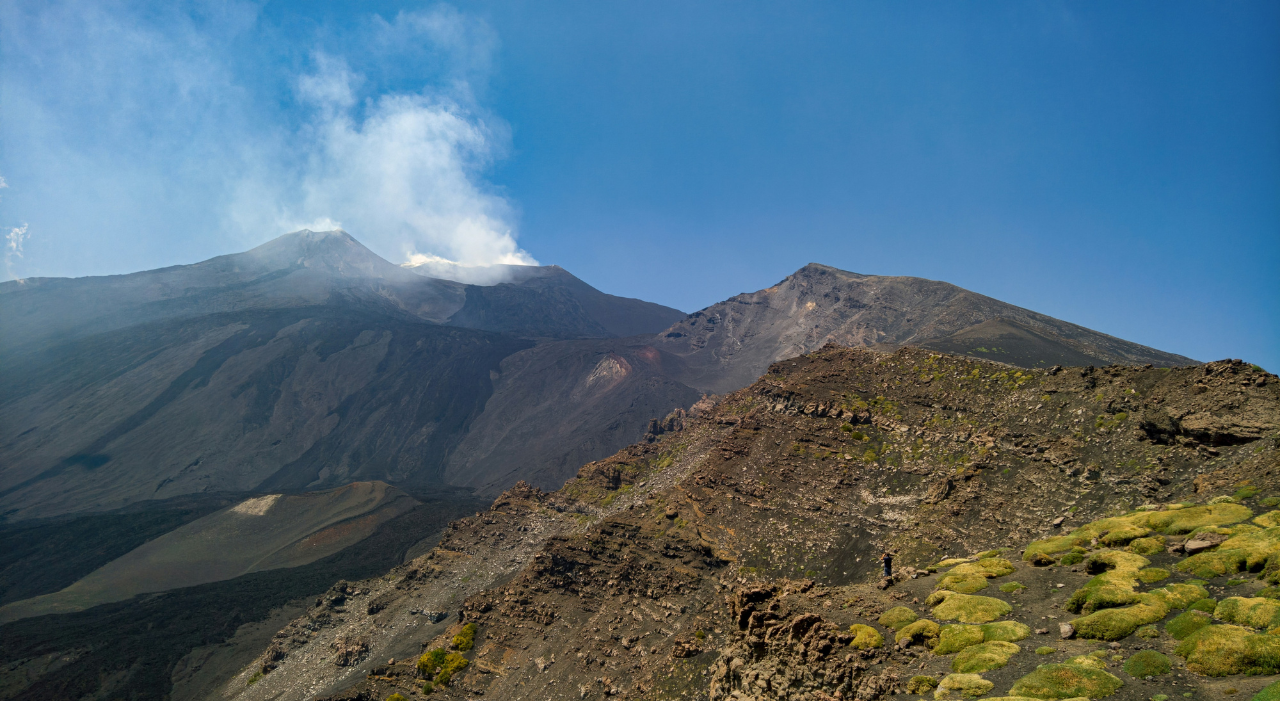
(1114, 164)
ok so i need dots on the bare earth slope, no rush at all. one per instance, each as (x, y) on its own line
(729, 559)
(306, 363)
(728, 345)
(272, 400)
(574, 400)
(263, 533)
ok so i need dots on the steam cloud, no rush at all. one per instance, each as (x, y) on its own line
(401, 171)
(13, 247)
(165, 133)
(13, 241)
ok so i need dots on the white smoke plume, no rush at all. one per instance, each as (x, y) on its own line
(148, 134)
(402, 172)
(13, 246)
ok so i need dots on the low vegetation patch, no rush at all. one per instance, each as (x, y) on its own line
(897, 617)
(441, 664)
(466, 638)
(963, 583)
(1206, 605)
(956, 637)
(1254, 551)
(968, 608)
(958, 686)
(1046, 650)
(1219, 650)
(1271, 519)
(951, 562)
(921, 684)
(1008, 631)
(1148, 546)
(922, 632)
(1180, 596)
(1114, 609)
(1078, 677)
(1186, 623)
(1113, 584)
(1270, 692)
(984, 656)
(1118, 623)
(1255, 613)
(1151, 575)
(970, 577)
(865, 637)
(1074, 557)
(1169, 521)
(1012, 587)
(1147, 663)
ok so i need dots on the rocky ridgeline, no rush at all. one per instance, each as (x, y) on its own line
(1057, 532)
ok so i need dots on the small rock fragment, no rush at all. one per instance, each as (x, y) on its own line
(1196, 546)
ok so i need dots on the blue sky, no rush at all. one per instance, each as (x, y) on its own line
(1112, 164)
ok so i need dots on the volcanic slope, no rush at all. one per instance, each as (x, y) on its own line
(306, 363)
(268, 532)
(728, 345)
(736, 558)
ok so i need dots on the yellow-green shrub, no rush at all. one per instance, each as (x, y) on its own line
(1253, 551)
(1255, 613)
(1118, 623)
(1072, 679)
(1148, 546)
(431, 661)
(967, 608)
(1186, 623)
(897, 617)
(865, 637)
(1147, 663)
(956, 637)
(955, 686)
(1217, 651)
(1151, 575)
(1169, 522)
(920, 684)
(922, 631)
(984, 656)
(466, 638)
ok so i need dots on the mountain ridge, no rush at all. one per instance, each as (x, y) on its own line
(318, 315)
(729, 344)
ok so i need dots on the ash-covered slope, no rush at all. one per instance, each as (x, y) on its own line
(306, 363)
(559, 405)
(267, 400)
(728, 345)
(729, 559)
(268, 532)
(301, 269)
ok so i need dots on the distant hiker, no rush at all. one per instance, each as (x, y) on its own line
(887, 560)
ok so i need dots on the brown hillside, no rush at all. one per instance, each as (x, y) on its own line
(730, 558)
